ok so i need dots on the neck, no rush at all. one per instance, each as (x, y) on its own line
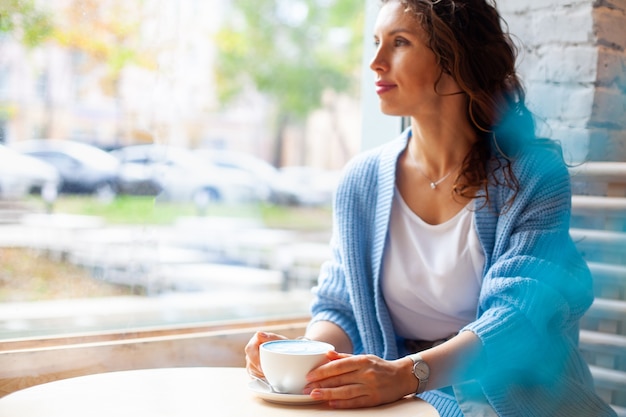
(438, 148)
(433, 182)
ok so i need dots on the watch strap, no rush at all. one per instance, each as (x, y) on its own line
(422, 377)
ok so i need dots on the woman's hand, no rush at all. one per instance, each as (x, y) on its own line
(354, 381)
(253, 363)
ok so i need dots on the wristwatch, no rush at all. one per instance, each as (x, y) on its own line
(421, 370)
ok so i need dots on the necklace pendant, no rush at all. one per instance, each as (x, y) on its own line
(433, 185)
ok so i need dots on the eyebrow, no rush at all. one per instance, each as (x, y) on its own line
(400, 30)
(397, 31)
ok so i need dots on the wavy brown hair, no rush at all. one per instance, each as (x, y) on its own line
(470, 44)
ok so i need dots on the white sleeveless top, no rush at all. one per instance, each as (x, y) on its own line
(431, 273)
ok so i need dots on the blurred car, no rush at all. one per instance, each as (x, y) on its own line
(84, 169)
(263, 176)
(21, 175)
(179, 175)
(313, 186)
(260, 174)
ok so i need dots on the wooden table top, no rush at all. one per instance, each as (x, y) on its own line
(177, 392)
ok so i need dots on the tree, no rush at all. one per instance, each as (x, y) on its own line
(292, 51)
(25, 21)
(107, 33)
(104, 31)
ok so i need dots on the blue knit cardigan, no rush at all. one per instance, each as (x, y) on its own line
(535, 284)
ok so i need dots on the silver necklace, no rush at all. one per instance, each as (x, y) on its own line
(433, 184)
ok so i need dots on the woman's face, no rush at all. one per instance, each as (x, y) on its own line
(406, 68)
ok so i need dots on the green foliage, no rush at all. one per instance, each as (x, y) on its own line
(147, 211)
(124, 209)
(107, 32)
(291, 50)
(25, 21)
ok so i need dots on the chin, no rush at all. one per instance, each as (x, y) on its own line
(391, 112)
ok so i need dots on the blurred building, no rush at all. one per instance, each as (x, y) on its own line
(167, 94)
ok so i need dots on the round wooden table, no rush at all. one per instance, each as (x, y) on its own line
(175, 392)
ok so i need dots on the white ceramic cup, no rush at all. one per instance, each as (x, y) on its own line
(286, 363)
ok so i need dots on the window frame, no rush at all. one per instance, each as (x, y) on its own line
(29, 361)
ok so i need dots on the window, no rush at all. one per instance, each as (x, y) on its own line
(41, 86)
(216, 229)
(2, 131)
(5, 74)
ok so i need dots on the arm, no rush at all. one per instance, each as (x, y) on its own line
(329, 332)
(537, 285)
(366, 380)
(452, 362)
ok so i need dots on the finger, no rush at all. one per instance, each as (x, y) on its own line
(253, 365)
(267, 336)
(348, 396)
(334, 355)
(255, 341)
(341, 364)
(252, 354)
(252, 347)
(344, 392)
(350, 379)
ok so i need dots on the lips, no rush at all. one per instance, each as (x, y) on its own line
(384, 86)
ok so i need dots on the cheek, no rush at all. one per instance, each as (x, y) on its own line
(421, 79)
(420, 73)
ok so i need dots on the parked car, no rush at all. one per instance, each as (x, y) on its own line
(260, 174)
(180, 175)
(84, 169)
(264, 177)
(21, 175)
(313, 186)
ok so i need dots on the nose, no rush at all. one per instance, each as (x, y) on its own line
(378, 62)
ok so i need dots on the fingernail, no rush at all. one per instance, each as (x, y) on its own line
(262, 335)
(316, 394)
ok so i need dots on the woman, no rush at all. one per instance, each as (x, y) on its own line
(452, 240)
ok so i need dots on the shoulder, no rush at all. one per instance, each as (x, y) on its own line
(540, 174)
(364, 169)
(539, 160)
(540, 157)
(541, 171)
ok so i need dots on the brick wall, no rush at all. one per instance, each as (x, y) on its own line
(573, 63)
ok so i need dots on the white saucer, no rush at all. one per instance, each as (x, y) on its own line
(274, 397)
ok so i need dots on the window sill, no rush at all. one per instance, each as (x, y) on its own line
(28, 362)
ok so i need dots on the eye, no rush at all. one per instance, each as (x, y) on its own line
(400, 41)
(376, 42)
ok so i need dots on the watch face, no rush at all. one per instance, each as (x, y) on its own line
(420, 369)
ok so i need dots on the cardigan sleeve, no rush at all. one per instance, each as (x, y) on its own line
(347, 292)
(536, 286)
(332, 301)
(333, 298)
